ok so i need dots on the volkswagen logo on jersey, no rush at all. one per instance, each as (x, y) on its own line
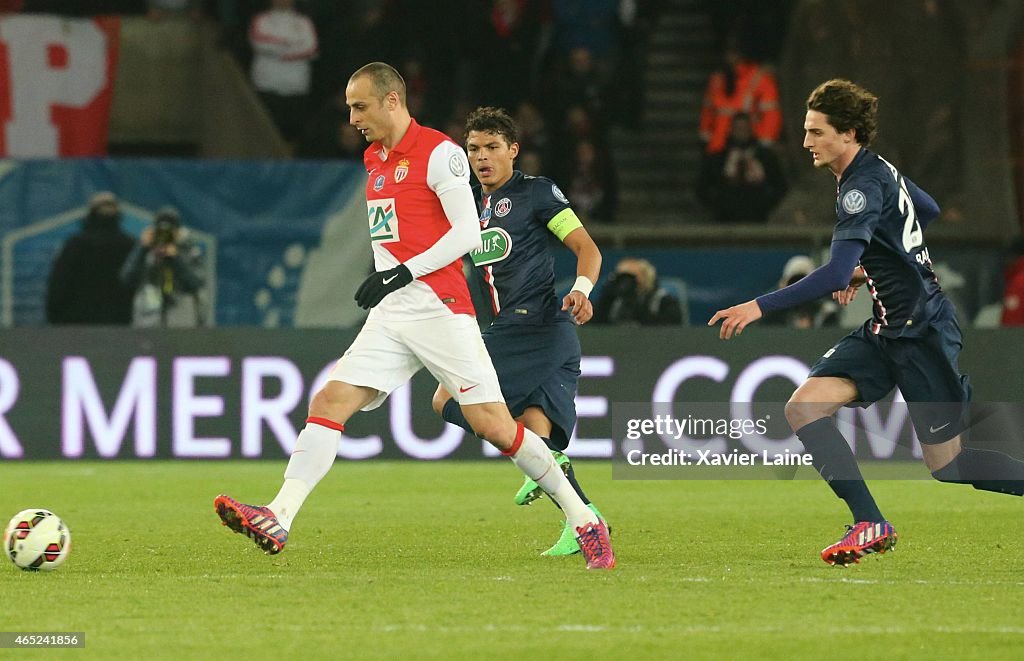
(457, 163)
(378, 183)
(559, 195)
(402, 170)
(502, 208)
(854, 201)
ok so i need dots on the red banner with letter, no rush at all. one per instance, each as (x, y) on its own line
(56, 85)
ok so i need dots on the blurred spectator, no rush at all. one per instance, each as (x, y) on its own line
(533, 131)
(163, 269)
(576, 124)
(581, 84)
(744, 182)
(739, 86)
(1013, 294)
(592, 186)
(416, 86)
(530, 162)
(84, 287)
(516, 28)
(633, 296)
(813, 314)
(284, 44)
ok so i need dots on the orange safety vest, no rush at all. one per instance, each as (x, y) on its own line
(756, 94)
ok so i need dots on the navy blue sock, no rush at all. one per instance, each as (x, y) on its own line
(834, 461)
(452, 413)
(986, 470)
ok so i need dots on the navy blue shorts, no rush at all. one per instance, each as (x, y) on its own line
(925, 369)
(538, 366)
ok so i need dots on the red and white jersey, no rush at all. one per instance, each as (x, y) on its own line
(284, 43)
(406, 218)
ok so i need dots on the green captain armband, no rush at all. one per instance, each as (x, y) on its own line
(564, 222)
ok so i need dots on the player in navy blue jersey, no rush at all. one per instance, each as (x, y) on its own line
(912, 341)
(532, 340)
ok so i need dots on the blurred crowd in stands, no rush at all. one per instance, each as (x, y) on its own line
(566, 69)
(741, 176)
(572, 72)
(551, 63)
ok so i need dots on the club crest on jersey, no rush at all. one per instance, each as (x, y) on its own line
(502, 208)
(559, 195)
(383, 220)
(401, 170)
(378, 183)
(496, 244)
(854, 201)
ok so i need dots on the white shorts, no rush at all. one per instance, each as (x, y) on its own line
(385, 355)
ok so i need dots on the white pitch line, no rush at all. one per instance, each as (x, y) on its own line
(915, 581)
(693, 629)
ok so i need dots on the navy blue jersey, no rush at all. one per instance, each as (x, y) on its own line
(873, 205)
(515, 261)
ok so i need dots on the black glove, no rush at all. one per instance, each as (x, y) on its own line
(380, 284)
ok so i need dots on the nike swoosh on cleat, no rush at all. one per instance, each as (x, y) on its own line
(935, 429)
(461, 389)
(388, 280)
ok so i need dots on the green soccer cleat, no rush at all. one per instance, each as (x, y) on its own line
(530, 491)
(567, 544)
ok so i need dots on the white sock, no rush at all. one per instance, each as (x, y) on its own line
(314, 454)
(534, 458)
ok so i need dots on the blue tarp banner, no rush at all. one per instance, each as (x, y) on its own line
(284, 239)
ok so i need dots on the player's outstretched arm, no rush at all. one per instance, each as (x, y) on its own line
(736, 318)
(825, 280)
(588, 270)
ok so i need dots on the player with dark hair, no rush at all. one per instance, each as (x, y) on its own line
(422, 220)
(532, 340)
(913, 340)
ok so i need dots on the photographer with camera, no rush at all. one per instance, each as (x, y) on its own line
(164, 269)
(632, 295)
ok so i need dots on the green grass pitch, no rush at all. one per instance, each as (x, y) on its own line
(393, 560)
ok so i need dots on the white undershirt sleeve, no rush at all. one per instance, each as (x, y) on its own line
(448, 177)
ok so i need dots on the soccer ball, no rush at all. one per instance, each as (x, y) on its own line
(37, 540)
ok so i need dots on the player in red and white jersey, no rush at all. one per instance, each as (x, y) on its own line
(422, 219)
